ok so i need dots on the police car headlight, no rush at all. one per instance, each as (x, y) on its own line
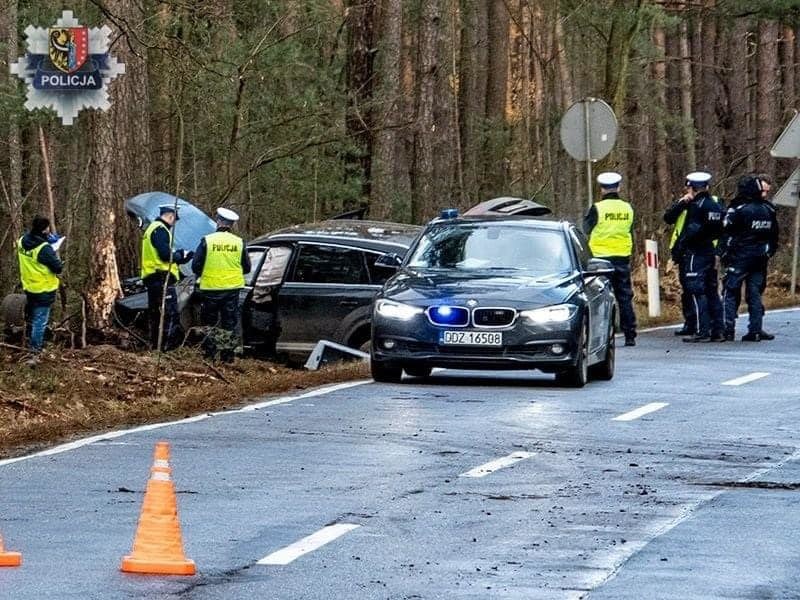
(397, 310)
(550, 314)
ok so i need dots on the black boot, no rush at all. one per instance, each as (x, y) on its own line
(765, 336)
(753, 336)
(685, 330)
(698, 339)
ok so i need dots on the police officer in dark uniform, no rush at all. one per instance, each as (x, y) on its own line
(221, 261)
(696, 245)
(160, 270)
(609, 225)
(751, 230)
(675, 215)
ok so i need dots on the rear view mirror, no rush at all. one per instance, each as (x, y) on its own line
(389, 261)
(598, 266)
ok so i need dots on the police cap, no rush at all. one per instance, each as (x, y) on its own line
(168, 208)
(609, 179)
(226, 214)
(698, 179)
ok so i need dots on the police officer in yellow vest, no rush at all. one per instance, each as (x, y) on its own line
(221, 262)
(609, 225)
(159, 271)
(38, 269)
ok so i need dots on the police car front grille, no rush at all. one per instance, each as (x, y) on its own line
(493, 317)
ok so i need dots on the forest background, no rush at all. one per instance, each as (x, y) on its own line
(294, 110)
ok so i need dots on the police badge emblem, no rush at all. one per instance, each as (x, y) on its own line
(69, 47)
(68, 67)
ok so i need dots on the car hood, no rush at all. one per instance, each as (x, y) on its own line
(191, 226)
(488, 288)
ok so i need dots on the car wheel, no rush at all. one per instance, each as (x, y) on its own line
(385, 373)
(604, 371)
(577, 375)
(14, 310)
(418, 371)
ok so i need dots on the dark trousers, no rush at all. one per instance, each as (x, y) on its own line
(623, 292)
(37, 315)
(687, 304)
(220, 313)
(172, 325)
(753, 273)
(702, 285)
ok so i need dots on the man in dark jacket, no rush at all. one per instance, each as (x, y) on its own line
(675, 215)
(38, 269)
(159, 271)
(696, 246)
(751, 239)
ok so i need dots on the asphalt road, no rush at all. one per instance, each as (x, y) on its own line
(696, 499)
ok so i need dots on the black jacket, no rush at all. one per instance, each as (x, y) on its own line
(47, 256)
(751, 230)
(703, 225)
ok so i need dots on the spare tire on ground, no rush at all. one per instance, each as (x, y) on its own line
(13, 310)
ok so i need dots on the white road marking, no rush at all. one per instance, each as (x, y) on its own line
(110, 435)
(745, 379)
(641, 411)
(307, 544)
(495, 465)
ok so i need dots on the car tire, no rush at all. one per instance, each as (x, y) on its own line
(13, 309)
(577, 375)
(604, 371)
(385, 373)
(418, 371)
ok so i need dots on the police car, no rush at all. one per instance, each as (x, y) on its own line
(496, 292)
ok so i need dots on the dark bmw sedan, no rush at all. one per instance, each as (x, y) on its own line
(497, 293)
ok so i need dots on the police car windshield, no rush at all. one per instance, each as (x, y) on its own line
(490, 246)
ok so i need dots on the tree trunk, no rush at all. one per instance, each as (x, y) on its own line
(472, 91)
(389, 172)
(497, 98)
(423, 200)
(769, 91)
(687, 118)
(659, 68)
(359, 75)
(13, 181)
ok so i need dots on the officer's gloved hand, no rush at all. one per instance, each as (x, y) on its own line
(187, 256)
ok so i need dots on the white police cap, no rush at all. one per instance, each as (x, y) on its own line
(698, 178)
(609, 179)
(162, 208)
(226, 214)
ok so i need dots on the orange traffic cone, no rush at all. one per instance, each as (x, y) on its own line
(9, 559)
(158, 547)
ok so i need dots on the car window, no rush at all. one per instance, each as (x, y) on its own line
(329, 264)
(581, 245)
(271, 273)
(377, 273)
(492, 246)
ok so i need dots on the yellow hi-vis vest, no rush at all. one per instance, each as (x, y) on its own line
(612, 234)
(222, 269)
(36, 278)
(151, 262)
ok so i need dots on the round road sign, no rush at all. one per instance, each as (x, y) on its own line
(589, 129)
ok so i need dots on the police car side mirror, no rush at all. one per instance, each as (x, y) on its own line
(389, 261)
(598, 266)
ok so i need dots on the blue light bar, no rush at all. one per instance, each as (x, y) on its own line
(449, 213)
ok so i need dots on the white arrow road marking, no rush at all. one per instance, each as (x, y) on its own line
(495, 465)
(745, 379)
(641, 411)
(307, 544)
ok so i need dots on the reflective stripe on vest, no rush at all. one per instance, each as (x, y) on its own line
(612, 234)
(36, 278)
(151, 261)
(222, 269)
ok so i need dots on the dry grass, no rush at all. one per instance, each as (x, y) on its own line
(77, 392)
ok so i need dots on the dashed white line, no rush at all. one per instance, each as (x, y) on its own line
(495, 465)
(745, 379)
(641, 411)
(308, 544)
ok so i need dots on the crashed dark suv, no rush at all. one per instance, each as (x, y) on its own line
(308, 283)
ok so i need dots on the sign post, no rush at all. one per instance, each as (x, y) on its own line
(788, 146)
(653, 284)
(588, 133)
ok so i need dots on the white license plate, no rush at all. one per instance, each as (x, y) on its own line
(472, 338)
